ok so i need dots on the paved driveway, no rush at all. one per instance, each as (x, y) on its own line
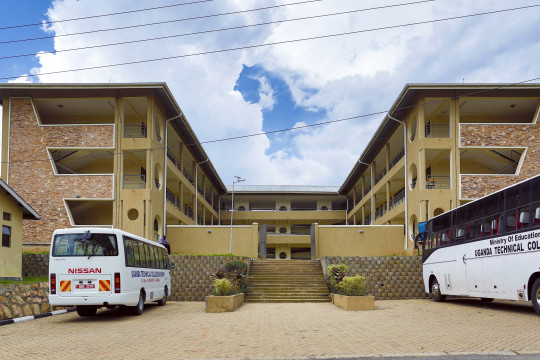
(182, 330)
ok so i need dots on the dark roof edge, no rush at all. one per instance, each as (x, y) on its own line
(27, 209)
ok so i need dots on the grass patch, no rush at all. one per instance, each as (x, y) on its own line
(26, 280)
(35, 252)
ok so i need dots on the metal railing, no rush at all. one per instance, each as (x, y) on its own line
(397, 199)
(437, 130)
(380, 211)
(134, 182)
(397, 157)
(173, 159)
(380, 175)
(188, 211)
(157, 183)
(367, 190)
(61, 169)
(173, 200)
(135, 131)
(438, 182)
(188, 176)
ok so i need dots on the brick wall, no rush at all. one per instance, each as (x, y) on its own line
(392, 277)
(514, 135)
(33, 178)
(23, 300)
(35, 265)
(192, 276)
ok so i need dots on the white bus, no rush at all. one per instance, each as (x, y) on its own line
(92, 267)
(488, 248)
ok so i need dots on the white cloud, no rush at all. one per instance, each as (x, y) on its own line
(344, 76)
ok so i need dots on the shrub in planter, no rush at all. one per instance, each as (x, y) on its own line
(236, 273)
(352, 286)
(336, 273)
(222, 287)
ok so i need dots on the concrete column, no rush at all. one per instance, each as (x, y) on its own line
(387, 154)
(388, 196)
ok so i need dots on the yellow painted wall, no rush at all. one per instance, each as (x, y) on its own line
(198, 240)
(11, 257)
(358, 240)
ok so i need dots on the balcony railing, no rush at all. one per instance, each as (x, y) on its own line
(438, 182)
(380, 175)
(188, 211)
(398, 198)
(134, 182)
(397, 157)
(135, 131)
(367, 190)
(173, 159)
(367, 220)
(188, 175)
(437, 130)
(173, 199)
(380, 211)
(156, 182)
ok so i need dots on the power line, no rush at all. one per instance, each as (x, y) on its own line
(161, 22)
(440, 100)
(273, 43)
(48, 22)
(218, 30)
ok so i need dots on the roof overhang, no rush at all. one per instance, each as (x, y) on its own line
(28, 212)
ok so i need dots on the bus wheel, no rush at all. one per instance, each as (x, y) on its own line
(163, 300)
(138, 309)
(436, 291)
(85, 310)
(535, 296)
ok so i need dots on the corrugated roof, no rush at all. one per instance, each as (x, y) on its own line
(296, 189)
(28, 212)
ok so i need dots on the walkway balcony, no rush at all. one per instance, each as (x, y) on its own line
(134, 182)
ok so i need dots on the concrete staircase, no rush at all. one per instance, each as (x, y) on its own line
(287, 281)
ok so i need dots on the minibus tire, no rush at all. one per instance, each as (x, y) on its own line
(163, 300)
(535, 296)
(86, 310)
(436, 291)
(138, 309)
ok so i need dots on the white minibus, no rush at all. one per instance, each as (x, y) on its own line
(488, 248)
(103, 267)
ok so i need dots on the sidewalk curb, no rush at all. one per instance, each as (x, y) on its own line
(38, 316)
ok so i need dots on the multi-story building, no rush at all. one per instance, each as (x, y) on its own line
(119, 155)
(440, 146)
(124, 155)
(285, 214)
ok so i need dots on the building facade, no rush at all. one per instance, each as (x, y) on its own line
(124, 156)
(119, 155)
(14, 209)
(441, 146)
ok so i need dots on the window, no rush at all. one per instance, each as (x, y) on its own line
(7, 216)
(6, 236)
(241, 208)
(85, 244)
(283, 208)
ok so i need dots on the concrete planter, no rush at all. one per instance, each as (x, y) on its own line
(354, 302)
(216, 304)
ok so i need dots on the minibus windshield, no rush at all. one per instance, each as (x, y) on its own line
(85, 244)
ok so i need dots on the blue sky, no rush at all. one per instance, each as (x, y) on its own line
(260, 89)
(18, 13)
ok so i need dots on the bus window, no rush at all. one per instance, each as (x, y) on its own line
(524, 217)
(165, 254)
(460, 232)
(130, 257)
(149, 256)
(536, 212)
(140, 258)
(486, 227)
(511, 220)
